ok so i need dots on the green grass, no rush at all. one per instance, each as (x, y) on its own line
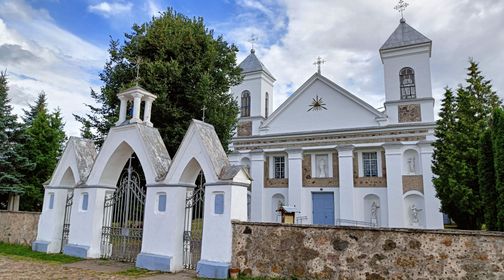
(138, 272)
(25, 253)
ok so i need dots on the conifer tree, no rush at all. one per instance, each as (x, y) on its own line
(498, 148)
(486, 174)
(39, 105)
(13, 165)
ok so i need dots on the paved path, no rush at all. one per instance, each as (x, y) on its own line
(15, 268)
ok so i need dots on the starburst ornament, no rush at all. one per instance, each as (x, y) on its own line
(317, 104)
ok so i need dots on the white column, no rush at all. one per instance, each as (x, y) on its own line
(84, 239)
(257, 173)
(224, 202)
(295, 176)
(433, 215)
(163, 230)
(122, 109)
(346, 181)
(137, 101)
(50, 225)
(395, 200)
(147, 110)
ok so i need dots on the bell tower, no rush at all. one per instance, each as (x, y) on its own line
(135, 96)
(254, 95)
(406, 62)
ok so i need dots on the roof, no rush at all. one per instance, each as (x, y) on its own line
(228, 172)
(404, 35)
(85, 153)
(155, 150)
(212, 145)
(252, 64)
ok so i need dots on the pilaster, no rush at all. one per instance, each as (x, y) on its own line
(257, 173)
(346, 182)
(395, 200)
(433, 215)
(295, 175)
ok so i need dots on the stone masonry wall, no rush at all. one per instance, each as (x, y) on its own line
(321, 252)
(18, 227)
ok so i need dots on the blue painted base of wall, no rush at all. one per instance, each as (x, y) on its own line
(153, 262)
(75, 250)
(40, 246)
(209, 269)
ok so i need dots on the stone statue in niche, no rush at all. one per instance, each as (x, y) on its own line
(415, 221)
(374, 213)
(412, 165)
(322, 168)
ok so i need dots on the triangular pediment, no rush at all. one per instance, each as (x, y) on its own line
(339, 109)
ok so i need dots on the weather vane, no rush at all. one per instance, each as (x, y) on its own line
(252, 40)
(319, 62)
(401, 7)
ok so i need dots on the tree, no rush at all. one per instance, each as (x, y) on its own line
(181, 62)
(13, 165)
(486, 173)
(498, 148)
(46, 137)
(456, 165)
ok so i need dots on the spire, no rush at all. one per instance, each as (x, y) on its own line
(403, 36)
(252, 64)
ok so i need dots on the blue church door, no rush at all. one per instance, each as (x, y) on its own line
(323, 208)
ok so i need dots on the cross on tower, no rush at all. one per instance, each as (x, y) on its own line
(319, 62)
(252, 40)
(401, 7)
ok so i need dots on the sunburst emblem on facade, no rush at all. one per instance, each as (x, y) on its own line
(317, 104)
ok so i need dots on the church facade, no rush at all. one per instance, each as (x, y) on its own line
(331, 157)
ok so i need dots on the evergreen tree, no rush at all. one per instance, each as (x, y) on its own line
(13, 165)
(39, 105)
(46, 137)
(498, 148)
(456, 165)
(181, 62)
(486, 173)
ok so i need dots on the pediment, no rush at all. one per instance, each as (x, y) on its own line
(320, 105)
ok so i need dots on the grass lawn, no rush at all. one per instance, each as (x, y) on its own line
(26, 253)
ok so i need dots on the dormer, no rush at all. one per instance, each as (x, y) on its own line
(135, 96)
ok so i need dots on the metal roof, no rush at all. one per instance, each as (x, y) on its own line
(252, 64)
(404, 35)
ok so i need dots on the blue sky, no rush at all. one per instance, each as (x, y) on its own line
(59, 46)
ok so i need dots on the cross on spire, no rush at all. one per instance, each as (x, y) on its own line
(401, 7)
(319, 62)
(252, 40)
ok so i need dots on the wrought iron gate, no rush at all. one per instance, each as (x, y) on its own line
(66, 220)
(123, 218)
(193, 226)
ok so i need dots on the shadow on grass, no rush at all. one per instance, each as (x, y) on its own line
(25, 252)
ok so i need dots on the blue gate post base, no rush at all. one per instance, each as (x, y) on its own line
(210, 269)
(153, 262)
(40, 246)
(75, 250)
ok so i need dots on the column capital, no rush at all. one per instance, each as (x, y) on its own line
(137, 95)
(294, 153)
(257, 155)
(345, 148)
(149, 98)
(392, 148)
(426, 146)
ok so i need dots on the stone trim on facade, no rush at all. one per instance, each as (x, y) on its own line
(244, 128)
(412, 183)
(409, 113)
(273, 182)
(308, 181)
(369, 182)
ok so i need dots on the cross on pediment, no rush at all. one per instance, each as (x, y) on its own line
(319, 62)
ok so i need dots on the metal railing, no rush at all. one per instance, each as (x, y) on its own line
(344, 222)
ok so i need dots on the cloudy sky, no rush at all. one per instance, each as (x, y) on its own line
(59, 46)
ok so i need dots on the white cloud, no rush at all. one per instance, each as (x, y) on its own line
(153, 8)
(39, 55)
(108, 9)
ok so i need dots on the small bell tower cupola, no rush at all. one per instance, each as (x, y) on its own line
(406, 62)
(133, 98)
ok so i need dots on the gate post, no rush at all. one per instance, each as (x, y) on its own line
(163, 231)
(50, 226)
(84, 238)
(224, 201)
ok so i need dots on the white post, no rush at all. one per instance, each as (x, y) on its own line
(393, 160)
(257, 172)
(137, 101)
(433, 215)
(295, 180)
(84, 238)
(50, 226)
(163, 231)
(147, 110)
(346, 182)
(122, 110)
(224, 202)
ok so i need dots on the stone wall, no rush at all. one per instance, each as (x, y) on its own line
(316, 252)
(18, 227)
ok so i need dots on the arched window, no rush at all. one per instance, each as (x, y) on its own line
(266, 105)
(407, 80)
(245, 104)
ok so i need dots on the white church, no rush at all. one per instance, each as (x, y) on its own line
(332, 158)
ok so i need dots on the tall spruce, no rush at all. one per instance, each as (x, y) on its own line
(498, 148)
(46, 137)
(13, 165)
(181, 62)
(456, 165)
(486, 173)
